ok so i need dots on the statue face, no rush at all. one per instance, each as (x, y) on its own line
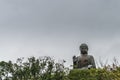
(83, 50)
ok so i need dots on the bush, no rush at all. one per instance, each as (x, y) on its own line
(94, 74)
(45, 68)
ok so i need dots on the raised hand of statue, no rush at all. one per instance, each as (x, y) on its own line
(74, 57)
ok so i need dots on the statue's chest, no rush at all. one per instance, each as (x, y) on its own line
(84, 61)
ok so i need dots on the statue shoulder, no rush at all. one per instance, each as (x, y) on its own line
(90, 56)
(77, 58)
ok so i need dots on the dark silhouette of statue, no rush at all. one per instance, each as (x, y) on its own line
(84, 61)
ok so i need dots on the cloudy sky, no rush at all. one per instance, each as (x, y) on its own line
(57, 27)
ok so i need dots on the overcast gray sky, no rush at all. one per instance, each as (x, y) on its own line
(57, 27)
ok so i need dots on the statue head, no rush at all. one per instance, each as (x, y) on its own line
(83, 48)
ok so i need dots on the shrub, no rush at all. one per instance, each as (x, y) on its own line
(94, 74)
(45, 68)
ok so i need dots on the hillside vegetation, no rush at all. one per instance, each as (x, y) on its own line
(45, 68)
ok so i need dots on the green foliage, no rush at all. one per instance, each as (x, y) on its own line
(94, 74)
(45, 68)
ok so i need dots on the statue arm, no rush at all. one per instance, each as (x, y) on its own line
(93, 62)
(75, 62)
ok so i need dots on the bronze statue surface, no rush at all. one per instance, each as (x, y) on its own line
(84, 61)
